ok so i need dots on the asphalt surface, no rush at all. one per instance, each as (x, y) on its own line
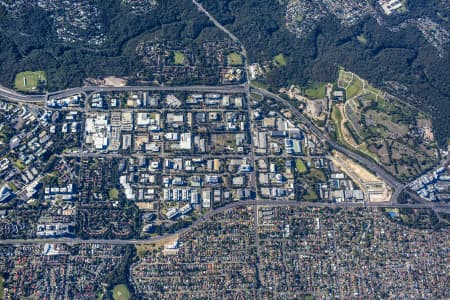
(210, 214)
(398, 187)
(14, 96)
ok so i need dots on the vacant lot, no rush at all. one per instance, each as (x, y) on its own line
(316, 90)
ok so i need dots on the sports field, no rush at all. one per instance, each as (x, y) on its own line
(121, 292)
(29, 81)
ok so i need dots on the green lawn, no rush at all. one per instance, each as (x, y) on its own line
(300, 166)
(316, 90)
(280, 60)
(344, 77)
(337, 118)
(121, 292)
(29, 81)
(113, 194)
(12, 186)
(2, 281)
(259, 85)
(19, 164)
(311, 195)
(256, 97)
(235, 59)
(354, 88)
(317, 174)
(362, 39)
(178, 58)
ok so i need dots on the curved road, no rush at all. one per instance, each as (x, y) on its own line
(242, 88)
(14, 96)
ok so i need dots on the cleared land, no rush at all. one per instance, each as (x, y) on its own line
(373, 187)
(121, 292)
(144, 248)
(146, 205)
(316, 90)
(30, 81)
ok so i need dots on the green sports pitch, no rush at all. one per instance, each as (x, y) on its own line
(121, 292)
(30, 81)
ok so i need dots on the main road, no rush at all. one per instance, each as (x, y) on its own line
(13, 96)
(369, 164)
(210, 214)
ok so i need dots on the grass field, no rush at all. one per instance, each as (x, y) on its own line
(235, 59)
(317, 174)
(257, 97)
(300, 166)
(354, 88)
(362, 39)
(121, 292)
(259, 85)
(352, 84)
(280, 60)
(337, 118)
(178, 58)
(2, 281)
(113, 194)
(311, 195)
(316, 90)
(29, 81)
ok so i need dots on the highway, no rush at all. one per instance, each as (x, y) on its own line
(372, 166)
(14, 96)
(211, 213)
(196, 88)
(397, 186)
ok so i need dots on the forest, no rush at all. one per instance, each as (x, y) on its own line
(404, 56)
(36, 47)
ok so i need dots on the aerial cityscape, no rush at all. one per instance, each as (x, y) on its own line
(205, 149)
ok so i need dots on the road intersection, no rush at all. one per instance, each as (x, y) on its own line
(397, 186)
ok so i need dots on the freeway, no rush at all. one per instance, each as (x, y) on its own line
(210, 214)
(196, 88)
(14, 96)
(372, 166)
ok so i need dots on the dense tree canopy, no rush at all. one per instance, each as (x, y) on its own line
(403, 56)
